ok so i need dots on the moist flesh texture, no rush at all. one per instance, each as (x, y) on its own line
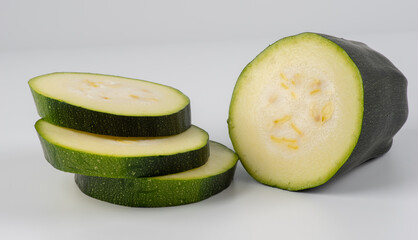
(110, 105)
(111, 94)
(298, 111)
(100, 155)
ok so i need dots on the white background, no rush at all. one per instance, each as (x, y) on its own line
(200, 48)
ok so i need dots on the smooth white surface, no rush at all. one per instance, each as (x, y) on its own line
(375, 201)
(59, 23)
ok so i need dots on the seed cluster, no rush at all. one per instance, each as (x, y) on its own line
(88, 84)
(319, 113)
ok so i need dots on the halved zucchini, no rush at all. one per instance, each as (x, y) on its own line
(85, 153)
(110, 105)
(312, 105)
(170, 190)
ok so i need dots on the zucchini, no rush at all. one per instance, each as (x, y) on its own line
(170, 190)
(110, 105)
(313, 106)
(86, 153)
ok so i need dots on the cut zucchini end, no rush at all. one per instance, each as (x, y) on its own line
(296, 112)
(171, 190)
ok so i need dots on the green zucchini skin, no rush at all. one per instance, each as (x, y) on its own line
(155, 191)
(74, 161)
(75, 117)
(385, 102)
(148, 192)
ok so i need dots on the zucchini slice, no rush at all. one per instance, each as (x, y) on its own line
(312, 105)
(86, 153)
(169, 190)
(110, 105)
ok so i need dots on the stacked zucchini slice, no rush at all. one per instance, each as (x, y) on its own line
(128, 141)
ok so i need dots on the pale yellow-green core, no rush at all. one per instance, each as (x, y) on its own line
(192, 139)
(110, 94)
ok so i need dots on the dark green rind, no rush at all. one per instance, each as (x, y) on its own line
(385, 102)
(73, 161)
(67, 115)
(154, 192)
(148, 192)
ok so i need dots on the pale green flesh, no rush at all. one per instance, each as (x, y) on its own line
(110, 94)
(192, 139)
(296, 112)
(220, 160)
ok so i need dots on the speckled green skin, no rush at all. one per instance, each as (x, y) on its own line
(66, 115)
(156, 191)
(385, 101)
(69, 160)
(150, 192)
